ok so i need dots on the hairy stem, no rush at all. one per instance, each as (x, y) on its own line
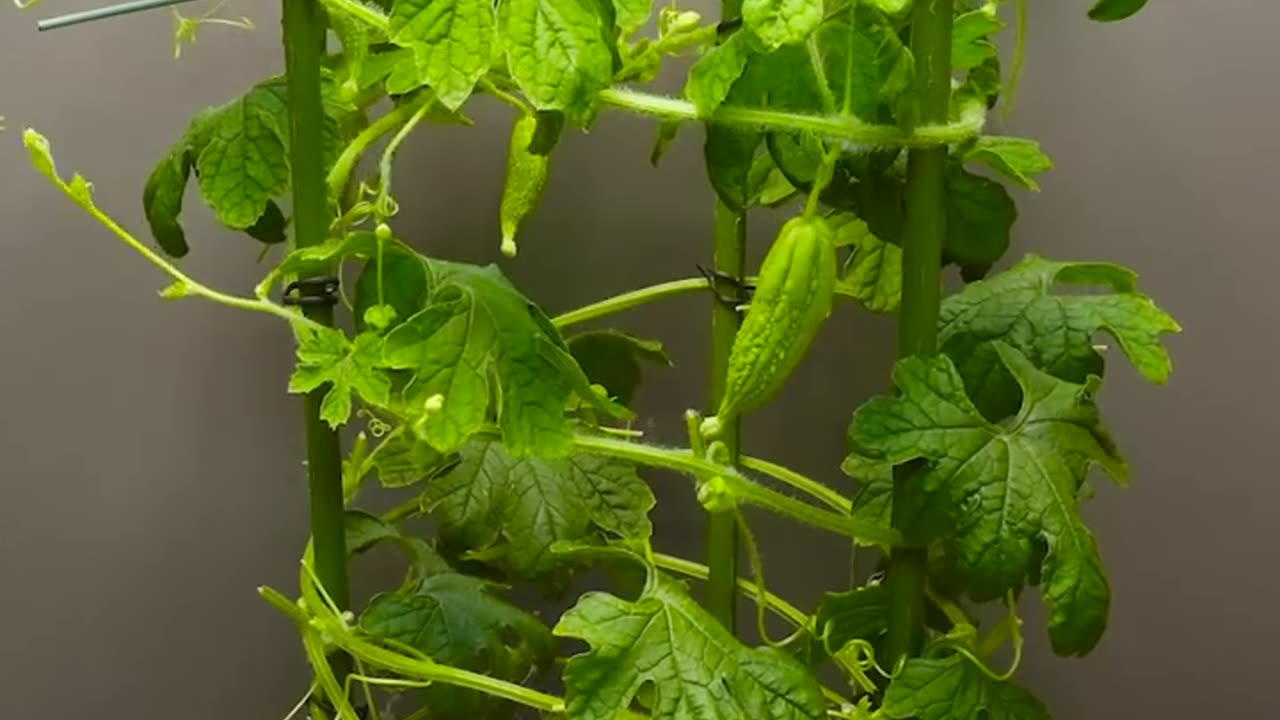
(806, 485)
(923, 232)
(741, 487)
(836, 127)
(747, 588)
(938, 132)
(304, 38)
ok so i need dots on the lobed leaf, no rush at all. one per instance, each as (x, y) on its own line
(714, 74)
(1007, 495)
(1018, 159)
(239, 153)
(873, 269)
(456, 620)
(531, 504)
(980, 217)
(1027, 307)
(466, 345)
(326, 357)
(953, 688)
(1112, 10)
(775, 23)
(451, 41)
(612, 359)
(697, 668)
(971, 45)
(557, 53)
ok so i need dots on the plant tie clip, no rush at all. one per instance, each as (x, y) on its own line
(312, 291)
(720, 280)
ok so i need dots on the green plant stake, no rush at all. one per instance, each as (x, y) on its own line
(512, 429)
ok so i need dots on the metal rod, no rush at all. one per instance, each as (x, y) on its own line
(102, 13)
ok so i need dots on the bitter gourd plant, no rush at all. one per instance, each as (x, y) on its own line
(510, 428)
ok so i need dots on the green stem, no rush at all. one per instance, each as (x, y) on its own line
(740, 486)
(697, 571)
(618, 303)
(837, 127)
(183, 285)
(341, 170)
(642, 296)
(923, 232)
(940, 133)
(729, 258)
(806, 485)
(304, 40)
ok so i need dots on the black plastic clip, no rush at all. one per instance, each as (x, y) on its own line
(312, 291)
(720, 281)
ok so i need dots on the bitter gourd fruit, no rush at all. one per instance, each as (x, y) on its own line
(793, 297)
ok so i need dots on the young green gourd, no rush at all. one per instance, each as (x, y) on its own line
(793, 297)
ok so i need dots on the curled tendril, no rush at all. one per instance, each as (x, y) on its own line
(757, 572)
(378, 427)
(1011, 624)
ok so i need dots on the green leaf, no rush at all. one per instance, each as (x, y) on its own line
(612, 359)
(452, 42)
(1011, 491)
(971, 45)
(162, 200)
(873, 270)
(269, 229)
(470, 338)
(630, 15)
(714, 74)
(893, 7)
(557, 53)
(771, 80)
(1018, 159)
(696, 667)
(326, 357)
(729, 153)
(456, 620)
(952, 688)
(404, 285)
(245, 160)
(1111, 10)
(1029, 306)
(355, 37)
(363, 531)
(531, 504)
(240, 155)
(404, 460)
(477, 332)
(874, 502)
(781, 22)
(859, 614)
(870, 63)
(980, 217)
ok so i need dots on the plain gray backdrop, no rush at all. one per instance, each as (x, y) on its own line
(150, 473)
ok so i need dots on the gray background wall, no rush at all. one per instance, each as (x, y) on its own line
(151, 476)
